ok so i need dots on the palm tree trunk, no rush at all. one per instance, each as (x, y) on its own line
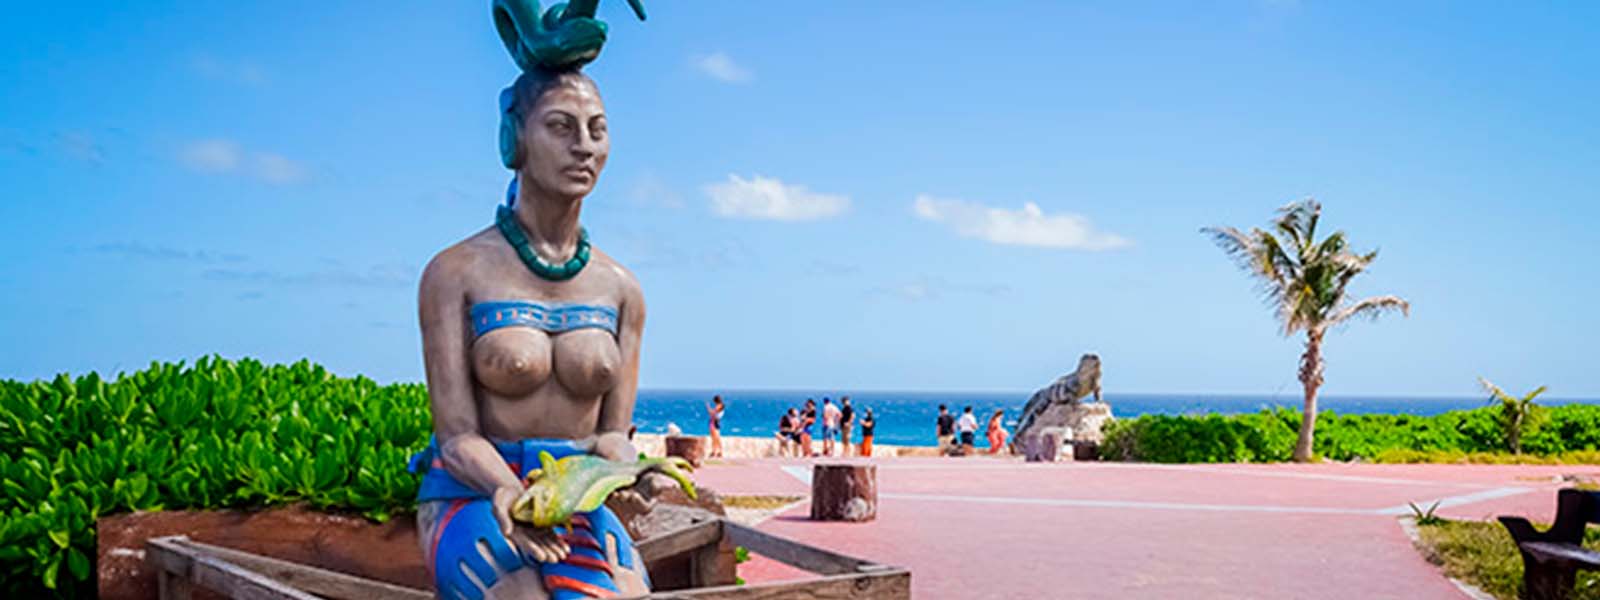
(1516, 429)
(1311, 378)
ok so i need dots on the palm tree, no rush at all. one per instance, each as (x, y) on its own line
(1304, 280)
(1517, 415)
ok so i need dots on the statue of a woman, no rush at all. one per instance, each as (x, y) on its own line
(531, 341)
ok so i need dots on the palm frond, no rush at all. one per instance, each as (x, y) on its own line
(1284, 267)
(1534, 394)
(1234, 242)
(1334, 245)
(1262, 255)
(1298, 221)
(1303, 279)
(1495, 393)
(1372, 308)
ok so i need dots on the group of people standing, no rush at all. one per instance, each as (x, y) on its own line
(950, 426)
(838, 422)
(835, 425)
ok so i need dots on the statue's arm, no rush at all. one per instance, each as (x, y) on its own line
(464, 451)
(616, 408)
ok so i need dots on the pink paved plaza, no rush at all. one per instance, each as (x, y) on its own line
(998, 528)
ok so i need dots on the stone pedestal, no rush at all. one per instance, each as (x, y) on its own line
(1089, 451)
(1045, 445)
(844, 492)
(1088, 422)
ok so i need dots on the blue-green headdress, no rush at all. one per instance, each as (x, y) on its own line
(566, 36)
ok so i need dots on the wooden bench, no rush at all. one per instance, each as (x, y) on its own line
(184, 565)
(1551, 558)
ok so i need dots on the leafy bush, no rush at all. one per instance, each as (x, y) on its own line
(218, 434)
(1568, 434)
(1210, 438)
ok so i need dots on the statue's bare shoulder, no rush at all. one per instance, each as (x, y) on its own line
(454, 266)
(630, 295)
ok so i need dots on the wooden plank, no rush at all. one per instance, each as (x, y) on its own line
(171, 586)
(238, 583)
(1569, 554)
(312, 579)
(171, 563)
(888, 585)
(681, 540)
(705, 568)
(184, 563)
(167, 554)
(792, 553)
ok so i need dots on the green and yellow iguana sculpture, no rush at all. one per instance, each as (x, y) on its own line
(580, 483)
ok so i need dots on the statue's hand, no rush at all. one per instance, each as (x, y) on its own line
(641, 496)
(612, 446)
(539, 544)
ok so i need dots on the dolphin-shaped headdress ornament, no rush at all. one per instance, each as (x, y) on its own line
(566, 36)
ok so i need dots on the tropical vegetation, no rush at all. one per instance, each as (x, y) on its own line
(1566, 434)
(216, 434)
(1516, 415)
(1305, 281)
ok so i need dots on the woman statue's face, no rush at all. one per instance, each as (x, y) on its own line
(565, 140)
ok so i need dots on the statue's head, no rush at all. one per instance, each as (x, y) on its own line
(538, 505)
(552, 123)
(553, 131)
(1089, 364)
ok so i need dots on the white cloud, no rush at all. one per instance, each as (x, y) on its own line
(925, 287)
(769, 199)
(1027, 227)
(211, 156)
(721, 67)
(278, 170)
(239, 72)
(228, 157)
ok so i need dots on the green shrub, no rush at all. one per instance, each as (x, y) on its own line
(1210, 438)
(1568, 434)
(218, 434)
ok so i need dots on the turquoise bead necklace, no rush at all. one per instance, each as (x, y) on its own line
(506, 219)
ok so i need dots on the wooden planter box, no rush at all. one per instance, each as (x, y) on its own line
(183, 565)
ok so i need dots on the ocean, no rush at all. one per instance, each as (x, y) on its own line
(907, 418)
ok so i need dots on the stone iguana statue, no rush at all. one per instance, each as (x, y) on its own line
(1056, 406)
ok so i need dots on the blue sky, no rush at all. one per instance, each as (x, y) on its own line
(864, 195)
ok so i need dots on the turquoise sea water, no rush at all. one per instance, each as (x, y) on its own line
(907, 418)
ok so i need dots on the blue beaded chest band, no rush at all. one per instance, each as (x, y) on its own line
(554, 318)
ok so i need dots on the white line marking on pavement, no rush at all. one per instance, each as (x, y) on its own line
(1289, 475)
(1450, 501)
(1134, 504)
(799, 472)
(986, 464)
(803, 474)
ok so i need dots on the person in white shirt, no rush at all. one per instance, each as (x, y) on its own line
(967, 425)
(830, 426)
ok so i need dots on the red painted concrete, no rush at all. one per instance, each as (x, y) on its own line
(984, 528)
